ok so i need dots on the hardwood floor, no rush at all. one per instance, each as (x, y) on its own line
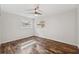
(37, 45)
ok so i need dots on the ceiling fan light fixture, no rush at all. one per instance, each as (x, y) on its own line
(36, 15)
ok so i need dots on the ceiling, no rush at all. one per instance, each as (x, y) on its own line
(47, 9)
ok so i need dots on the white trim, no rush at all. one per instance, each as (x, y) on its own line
(14, 39)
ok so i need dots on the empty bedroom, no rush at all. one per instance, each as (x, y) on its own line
(39, 29)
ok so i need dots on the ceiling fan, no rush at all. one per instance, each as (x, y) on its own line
(36, 11)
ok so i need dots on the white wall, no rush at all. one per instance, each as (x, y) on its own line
(12, 27)
(78, 25)
(0, 29)
(60, 27)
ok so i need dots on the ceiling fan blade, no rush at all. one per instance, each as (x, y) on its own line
(35, 13)
(39, 13)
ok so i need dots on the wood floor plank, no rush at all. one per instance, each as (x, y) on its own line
(37, 45)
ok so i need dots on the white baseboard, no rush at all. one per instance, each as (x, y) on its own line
(13, 39)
